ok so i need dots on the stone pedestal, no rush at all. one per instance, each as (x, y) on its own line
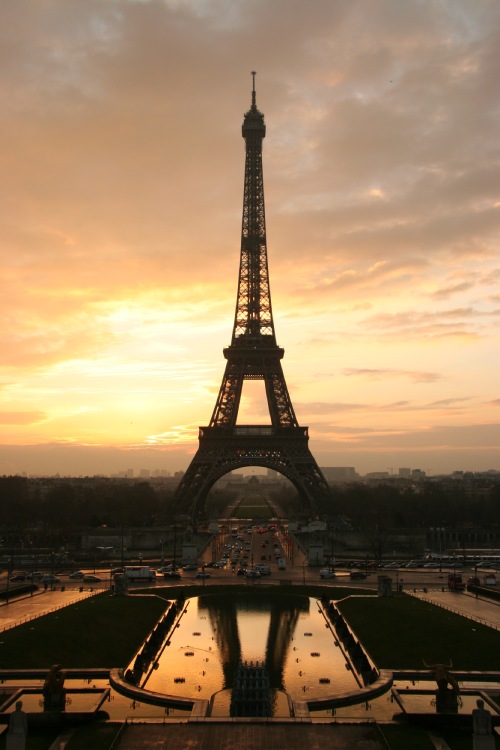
(483, 742)
(384, 586)
(316, 555)
(15, 742)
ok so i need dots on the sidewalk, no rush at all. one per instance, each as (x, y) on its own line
(482, 610)
(29, 607)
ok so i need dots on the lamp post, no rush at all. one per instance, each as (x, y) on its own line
(332, 558)
(175, 546)
(440, 530)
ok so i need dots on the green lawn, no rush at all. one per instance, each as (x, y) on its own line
(399, 632)
(102, 631)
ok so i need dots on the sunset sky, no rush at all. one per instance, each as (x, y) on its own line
(122, 168)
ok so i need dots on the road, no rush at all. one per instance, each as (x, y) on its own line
(262, 548)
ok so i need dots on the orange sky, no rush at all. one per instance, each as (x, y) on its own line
(122, 185)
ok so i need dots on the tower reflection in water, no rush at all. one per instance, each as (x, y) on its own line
(285, 633)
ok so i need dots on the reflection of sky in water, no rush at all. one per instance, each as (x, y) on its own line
(83, 701)
(201, 671)
(253, 627)
(212, 631)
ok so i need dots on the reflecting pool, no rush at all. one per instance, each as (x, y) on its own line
(289, 634)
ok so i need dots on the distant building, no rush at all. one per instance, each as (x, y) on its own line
(339, 473)
(404, 473)
(315, 526)
(418, 474)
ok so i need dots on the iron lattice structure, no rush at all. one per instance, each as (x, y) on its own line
(252, 355)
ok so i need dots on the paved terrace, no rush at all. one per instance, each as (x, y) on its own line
(252, 736)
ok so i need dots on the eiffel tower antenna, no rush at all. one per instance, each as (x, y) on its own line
(253, 355)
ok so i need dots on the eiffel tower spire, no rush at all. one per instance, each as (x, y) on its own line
(253, 355)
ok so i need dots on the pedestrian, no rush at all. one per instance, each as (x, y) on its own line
(18, 729)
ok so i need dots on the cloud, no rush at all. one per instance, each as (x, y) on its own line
(447, 292)
(21, 418)
(418, 377)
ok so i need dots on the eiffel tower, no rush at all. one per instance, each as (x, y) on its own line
(253, 355)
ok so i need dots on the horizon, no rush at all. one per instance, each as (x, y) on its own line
(123, 182)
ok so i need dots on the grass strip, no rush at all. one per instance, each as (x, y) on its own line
(260, 586)
(101, 631)
(400, 632)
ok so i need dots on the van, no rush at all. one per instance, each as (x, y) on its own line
(282, 563)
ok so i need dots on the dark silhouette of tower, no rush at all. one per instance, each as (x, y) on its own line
(253, 355)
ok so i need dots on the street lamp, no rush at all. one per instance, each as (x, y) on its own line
(175, 545)
(440, 530)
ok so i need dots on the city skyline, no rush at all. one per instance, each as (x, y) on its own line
(123, 183)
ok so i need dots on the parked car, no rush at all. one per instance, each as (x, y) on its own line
(252, 574)
(202, 574)
(51, 579)
(76, 574)
(190, 566)
(18, 578)
(90, 578)
(171, 574)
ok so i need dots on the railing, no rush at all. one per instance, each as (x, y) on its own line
(253, 431)
(332, 719)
